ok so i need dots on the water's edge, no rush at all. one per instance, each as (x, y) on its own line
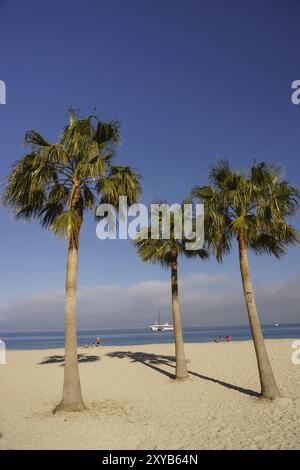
(124, 337)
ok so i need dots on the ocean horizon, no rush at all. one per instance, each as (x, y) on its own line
(139, 336)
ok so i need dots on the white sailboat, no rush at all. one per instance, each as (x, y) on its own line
(158, 326)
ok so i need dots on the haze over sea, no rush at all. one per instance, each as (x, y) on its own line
(123, 337)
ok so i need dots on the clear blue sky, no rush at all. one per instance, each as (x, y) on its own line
(190, 81)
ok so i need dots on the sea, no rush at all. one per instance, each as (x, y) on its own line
(127, 337)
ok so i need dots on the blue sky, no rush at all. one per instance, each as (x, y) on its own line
(191, 82)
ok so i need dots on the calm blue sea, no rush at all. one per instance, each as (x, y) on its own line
(55, 339)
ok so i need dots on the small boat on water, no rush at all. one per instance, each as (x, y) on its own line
(158, 326)
(161, 327)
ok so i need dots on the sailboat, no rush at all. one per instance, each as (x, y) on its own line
(158, 326)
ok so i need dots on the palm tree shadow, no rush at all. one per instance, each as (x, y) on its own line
(55, 359)
(149, 360)
(155, 360)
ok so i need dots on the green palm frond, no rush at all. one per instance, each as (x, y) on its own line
(122, 181)
(56, 182)
(55, 153)
(58, 193)
(163, 251)
(256, 205)
(66, 225)
(35, 139)
(107, 132)
(88, 197)
(50, 213)
(90, 169)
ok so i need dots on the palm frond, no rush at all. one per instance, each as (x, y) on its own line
(255, 205)
(56, 182)
(163, 250)
(122, 181)
(67, 224)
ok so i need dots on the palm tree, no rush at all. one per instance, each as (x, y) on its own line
(56, 183)
(252, 208)
(166, 252)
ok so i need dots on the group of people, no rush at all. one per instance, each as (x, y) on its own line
(219, 339)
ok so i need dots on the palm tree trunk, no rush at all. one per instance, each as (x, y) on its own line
(181, 365)
(72, 398)
(269, 387)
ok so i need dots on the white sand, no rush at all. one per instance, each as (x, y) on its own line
(135, 406)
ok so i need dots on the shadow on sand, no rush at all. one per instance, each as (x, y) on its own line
(155, 360)
(82, 358)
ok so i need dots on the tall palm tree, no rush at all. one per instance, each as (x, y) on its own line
(166, 252)
(57, 183)
(252, 208)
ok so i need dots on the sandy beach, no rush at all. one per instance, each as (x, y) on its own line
(134, 403)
